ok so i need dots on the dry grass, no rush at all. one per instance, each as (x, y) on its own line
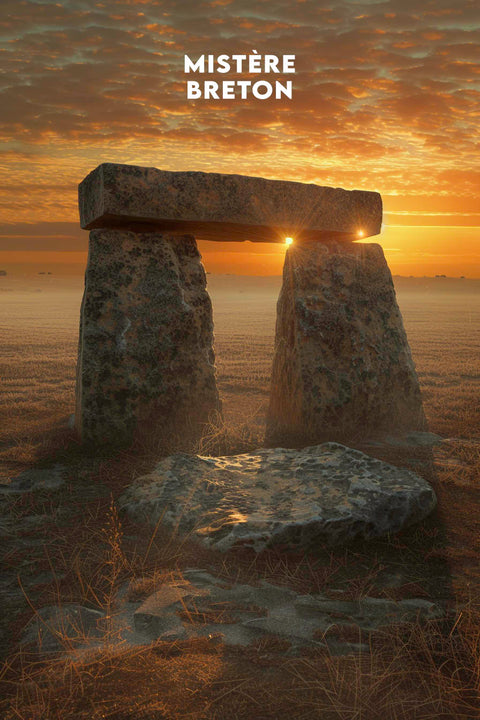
(84, 551)
(415, 672)
(412, 672)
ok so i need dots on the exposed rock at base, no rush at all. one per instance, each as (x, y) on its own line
(145, 359)
(196, 604)
(55, 628)
(49, 478)
(201, 605)
(214, 206)
(342, 367)
(322, 494)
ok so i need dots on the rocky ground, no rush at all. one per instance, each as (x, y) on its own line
(81, 576)
(45, 508)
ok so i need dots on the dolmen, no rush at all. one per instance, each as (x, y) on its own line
(342, 366)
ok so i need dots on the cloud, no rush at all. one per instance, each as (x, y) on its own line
(386, 96)
(45, 236)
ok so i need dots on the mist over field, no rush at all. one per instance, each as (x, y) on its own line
(39, 318)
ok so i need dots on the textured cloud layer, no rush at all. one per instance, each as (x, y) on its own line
(386, 97)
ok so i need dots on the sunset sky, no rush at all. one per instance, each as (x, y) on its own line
(386, 97)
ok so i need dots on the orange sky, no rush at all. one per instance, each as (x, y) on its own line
(386, 98)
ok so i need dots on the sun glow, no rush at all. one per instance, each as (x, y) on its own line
(288, 240)
(360, 233)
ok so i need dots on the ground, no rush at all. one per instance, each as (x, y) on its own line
(70, 545)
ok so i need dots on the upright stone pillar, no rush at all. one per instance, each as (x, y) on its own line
(145, 353)
(342, 367)
(146, 360)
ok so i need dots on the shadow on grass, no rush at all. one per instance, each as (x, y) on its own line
(426, 671)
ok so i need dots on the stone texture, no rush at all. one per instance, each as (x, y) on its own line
(200, 606)
(197, 604)
(50, 478)
(326, 493)
(223, 207)
(63, 627)
(146, 360)
(342, 366)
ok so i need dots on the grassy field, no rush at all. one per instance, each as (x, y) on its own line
(82, 549)
(39, 333)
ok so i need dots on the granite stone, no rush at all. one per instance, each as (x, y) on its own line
(145, 358)
(198, 605)
(224, 207)
(342, 366)
(294, 498)
(193, 603)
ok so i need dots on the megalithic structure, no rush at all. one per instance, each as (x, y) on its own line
(146, 358)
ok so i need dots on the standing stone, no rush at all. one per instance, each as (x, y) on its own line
(146, 360)
(342, 367)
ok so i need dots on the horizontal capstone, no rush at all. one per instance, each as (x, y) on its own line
(214, 206)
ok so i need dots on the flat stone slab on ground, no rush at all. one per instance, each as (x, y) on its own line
(213, 206)
(50, 478)
(322, 494)
(55, 628)
(201, 605)
(197, 604)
